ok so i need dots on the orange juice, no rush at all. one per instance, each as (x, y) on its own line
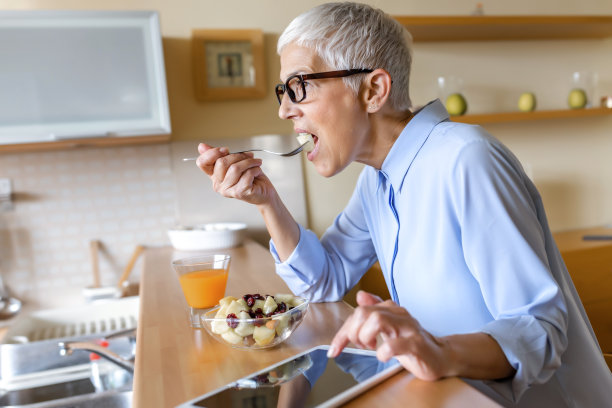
(204, 288)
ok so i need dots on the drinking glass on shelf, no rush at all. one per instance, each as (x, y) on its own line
(450, 94)
(448, 85)
(203, 280)
(583, 85)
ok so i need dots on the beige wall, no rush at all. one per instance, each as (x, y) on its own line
(569, 159)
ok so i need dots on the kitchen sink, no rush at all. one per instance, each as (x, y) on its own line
(36, 371)
(107, 399)
(35, 375)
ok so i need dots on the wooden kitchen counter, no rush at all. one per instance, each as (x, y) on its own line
(175, 363)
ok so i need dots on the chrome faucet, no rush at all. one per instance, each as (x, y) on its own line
(67, 347)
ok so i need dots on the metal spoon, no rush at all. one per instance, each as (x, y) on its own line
(9, 306)
(291, 153)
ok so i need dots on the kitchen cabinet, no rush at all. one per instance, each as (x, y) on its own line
(589, 263)
(512, 28)
(85, 142)
(81, 78)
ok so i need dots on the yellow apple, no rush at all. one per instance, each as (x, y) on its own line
(527, 102)
(577, 98)
(456, 104)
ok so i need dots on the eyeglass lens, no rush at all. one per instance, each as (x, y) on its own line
(295, 89)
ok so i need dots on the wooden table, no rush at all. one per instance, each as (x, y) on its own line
(175, 363)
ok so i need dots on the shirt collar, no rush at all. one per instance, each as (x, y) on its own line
(411, 139)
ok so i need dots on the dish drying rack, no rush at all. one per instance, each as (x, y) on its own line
(99, 318)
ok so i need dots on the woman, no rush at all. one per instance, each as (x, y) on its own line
(479, 289)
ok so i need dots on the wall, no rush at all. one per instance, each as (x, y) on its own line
(120, 196)
(568, 159)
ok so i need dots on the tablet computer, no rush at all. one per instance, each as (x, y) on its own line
(307, 379)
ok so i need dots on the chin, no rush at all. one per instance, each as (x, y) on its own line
(326, 170)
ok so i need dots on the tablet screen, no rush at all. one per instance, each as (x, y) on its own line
(307, 380)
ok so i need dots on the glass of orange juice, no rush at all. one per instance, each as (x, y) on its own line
(203, 280)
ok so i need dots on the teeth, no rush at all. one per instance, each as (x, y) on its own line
(306, 138)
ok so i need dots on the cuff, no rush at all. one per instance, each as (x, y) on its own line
(529, 348)
(298, 269)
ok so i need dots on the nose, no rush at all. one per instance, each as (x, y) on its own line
(287, 109)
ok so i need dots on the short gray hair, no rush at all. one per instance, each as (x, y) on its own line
(352, 35)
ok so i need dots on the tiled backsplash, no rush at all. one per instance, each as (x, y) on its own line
(122, 196)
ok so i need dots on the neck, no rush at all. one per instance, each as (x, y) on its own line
(385, 129)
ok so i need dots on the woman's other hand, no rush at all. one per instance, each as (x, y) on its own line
(392, 332)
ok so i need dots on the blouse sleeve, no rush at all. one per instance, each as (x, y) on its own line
(325, 270)
(501, 219)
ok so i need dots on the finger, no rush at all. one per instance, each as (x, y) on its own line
(365, 298)
(221, 166)
(202, 147)
(350, 331)
(236, 171)
(380, 322)
(340, 340)
(391, 347)
(244, 188)
(209, 157)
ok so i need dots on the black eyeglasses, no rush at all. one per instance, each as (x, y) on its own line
(296, 88)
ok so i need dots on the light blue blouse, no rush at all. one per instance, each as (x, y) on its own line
(463, 242)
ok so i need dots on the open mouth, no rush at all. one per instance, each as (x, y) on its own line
(311, 143)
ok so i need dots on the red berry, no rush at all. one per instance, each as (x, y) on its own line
(260, 321)
(232, 320)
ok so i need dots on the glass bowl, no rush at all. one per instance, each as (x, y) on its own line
(247, 332)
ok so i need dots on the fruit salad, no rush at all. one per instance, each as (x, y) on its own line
(256, 320)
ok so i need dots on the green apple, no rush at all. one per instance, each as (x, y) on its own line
(231, 337)
(527, 102)
(456, 104)
(577, 98)
(269, 305)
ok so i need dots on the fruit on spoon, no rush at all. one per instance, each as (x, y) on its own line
(306, 138)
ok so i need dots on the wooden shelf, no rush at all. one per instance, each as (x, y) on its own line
(511, 28)
(499, 28)
(535, 115)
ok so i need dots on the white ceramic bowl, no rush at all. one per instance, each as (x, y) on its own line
(208, 236)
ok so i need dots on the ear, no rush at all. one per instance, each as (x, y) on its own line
(376, 90)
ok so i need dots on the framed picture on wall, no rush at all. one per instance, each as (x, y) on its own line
(228, 64)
